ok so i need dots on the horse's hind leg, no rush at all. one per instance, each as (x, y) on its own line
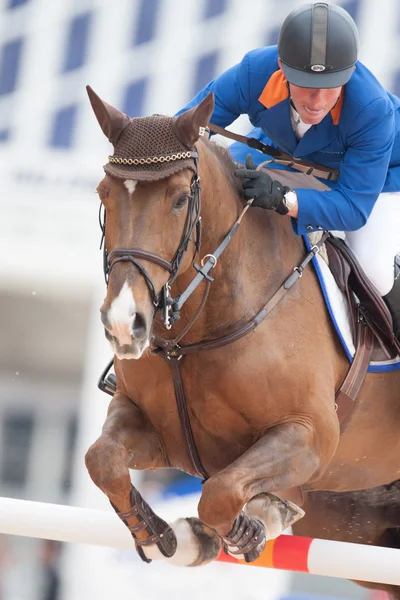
(367, 517)
(129, 441)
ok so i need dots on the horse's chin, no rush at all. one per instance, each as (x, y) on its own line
(132, 352)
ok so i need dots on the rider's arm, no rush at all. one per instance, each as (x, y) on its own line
(237, 90)
(362, 175)
(229, 96)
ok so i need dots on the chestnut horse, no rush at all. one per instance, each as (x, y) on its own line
(254, 414)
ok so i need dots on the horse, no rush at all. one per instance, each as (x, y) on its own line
(226, 360)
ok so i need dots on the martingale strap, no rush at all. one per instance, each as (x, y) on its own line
(279, 156)
(174, 353)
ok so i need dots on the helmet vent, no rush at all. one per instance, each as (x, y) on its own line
(319, 35)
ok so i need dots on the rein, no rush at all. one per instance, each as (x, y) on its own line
(278, 156)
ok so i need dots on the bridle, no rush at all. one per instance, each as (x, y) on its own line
(162, 300)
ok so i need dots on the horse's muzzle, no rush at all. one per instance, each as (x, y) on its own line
(133, 350)
(128, 339)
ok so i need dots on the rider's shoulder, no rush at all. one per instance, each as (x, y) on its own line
(364, 92)
(261, 61)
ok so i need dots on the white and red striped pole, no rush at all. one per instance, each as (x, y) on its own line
(308, 555)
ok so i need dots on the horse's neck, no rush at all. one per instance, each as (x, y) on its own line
(251, 268)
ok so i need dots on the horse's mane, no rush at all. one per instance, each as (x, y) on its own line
(227, 162)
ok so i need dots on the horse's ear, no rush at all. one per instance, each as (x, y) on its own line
(187, 125)
(111, 120)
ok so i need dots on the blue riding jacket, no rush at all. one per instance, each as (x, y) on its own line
(360, 137)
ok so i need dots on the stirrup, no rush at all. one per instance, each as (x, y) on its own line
(108, 382)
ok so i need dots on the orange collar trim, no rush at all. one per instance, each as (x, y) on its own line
(337, 109)
(276, 91)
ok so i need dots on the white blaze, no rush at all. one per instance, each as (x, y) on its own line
(121, 315)
(130, 185)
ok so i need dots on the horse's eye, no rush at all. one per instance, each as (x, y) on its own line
(181, 201)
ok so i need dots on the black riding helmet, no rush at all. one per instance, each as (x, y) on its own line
(318, 45)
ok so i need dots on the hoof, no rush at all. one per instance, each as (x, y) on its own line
(275, 514)
(198, 544)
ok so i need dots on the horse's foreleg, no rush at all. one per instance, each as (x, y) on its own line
(129, 441)
(283, 458)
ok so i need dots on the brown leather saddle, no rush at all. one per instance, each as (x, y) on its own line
(372, 324)
(363, 298)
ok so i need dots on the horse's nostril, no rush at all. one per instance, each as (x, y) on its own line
(138, 326)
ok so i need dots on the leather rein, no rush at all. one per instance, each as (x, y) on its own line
(278, 156)
(170, 349)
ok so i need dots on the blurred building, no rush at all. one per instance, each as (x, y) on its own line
(143, 56)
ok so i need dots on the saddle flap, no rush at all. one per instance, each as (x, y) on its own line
(340, 270)
(350, 277)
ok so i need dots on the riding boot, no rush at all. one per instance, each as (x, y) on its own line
(392, 299)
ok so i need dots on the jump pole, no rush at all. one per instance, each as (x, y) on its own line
(97, 527)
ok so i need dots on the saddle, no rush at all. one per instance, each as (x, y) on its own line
(364, 300)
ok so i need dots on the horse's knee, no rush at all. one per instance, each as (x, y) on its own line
(221, 501)
(107, 465)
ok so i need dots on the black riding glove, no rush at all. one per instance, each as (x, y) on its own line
(267, 193)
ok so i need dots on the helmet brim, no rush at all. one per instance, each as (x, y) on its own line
(322, 80)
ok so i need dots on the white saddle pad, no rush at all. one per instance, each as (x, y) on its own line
(339, 312)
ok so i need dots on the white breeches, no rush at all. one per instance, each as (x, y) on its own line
(377, 243)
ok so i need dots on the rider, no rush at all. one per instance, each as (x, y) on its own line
(312, 98)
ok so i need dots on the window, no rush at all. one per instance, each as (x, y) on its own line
(205, 71)
(272, 37)
(145, 21)
(15, 3)
(72, 432)
(135, 95)
(213, 8)
(63, 128)
(4, 135)
(17, 439)
(395, 87)
(10, 61)
(352, 7)
(77, 42)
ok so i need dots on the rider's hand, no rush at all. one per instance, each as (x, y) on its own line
(267, 193)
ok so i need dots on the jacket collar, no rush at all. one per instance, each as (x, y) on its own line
(277, 91)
